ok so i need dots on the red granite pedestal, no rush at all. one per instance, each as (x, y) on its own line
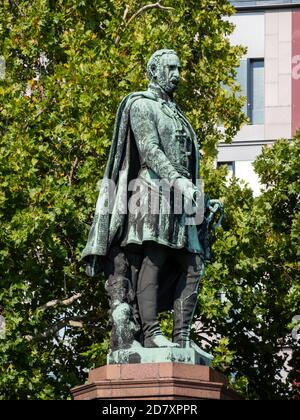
(154, 381)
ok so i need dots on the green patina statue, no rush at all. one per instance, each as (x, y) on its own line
(151, 231)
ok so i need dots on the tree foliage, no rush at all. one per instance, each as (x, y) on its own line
(256, 270)
(68, 64)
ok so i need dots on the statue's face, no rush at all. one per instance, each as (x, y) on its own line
(168, 73)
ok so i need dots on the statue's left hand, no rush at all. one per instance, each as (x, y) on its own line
(214, 206)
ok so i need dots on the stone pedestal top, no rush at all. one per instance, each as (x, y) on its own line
(154, 381)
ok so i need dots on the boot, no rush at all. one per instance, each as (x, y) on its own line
(158, 340)
(185, 302)
(153, 336)
(184, 309)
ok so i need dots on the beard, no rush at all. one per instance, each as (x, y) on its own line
(169, 86)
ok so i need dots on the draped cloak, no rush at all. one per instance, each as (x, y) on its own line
(122, 167)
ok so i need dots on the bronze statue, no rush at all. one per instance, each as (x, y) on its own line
(150, 244)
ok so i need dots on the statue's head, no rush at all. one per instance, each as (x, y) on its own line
(163, 68)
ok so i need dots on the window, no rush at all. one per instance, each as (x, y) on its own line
(251, 75)
(256, 92)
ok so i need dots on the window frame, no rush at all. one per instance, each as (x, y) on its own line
(250, 87)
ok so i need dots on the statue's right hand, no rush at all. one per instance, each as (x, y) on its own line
(93, 266)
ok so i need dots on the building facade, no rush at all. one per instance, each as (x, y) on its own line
(269, 75)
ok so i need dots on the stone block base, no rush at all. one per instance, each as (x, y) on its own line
(155, 381)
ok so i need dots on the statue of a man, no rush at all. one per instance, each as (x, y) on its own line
(150, 252)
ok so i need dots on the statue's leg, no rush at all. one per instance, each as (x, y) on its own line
(186, 294)
(135, 260)
(147, 289)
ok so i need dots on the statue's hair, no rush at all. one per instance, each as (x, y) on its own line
(154, 61)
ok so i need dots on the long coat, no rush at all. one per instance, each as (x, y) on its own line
(152, 139)
(167, 148)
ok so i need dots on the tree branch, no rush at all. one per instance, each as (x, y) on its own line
(143, 9)
(126, 12)
(146, 7)
(64, 302)
(73, 169)
(75, 322)
(68, 322)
